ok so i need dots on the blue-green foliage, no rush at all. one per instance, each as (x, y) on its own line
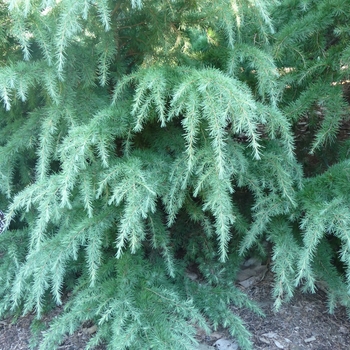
(141, 140)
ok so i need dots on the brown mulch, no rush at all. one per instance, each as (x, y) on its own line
(302, 324)
(18, 336)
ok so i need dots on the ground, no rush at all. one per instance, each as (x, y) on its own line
(302, 324)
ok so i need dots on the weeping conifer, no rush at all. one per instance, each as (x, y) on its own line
(140, 139)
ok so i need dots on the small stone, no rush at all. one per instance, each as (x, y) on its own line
(248, 282)
(90, 330)
(270, 335)
(251, 262)
(192, 276)
(296, 347)
(309, 340)
(225, 344)
(264, 340)
(343, 330)
(278, 344)
(216, 335)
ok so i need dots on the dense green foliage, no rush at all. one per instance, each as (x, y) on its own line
(143, 140)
